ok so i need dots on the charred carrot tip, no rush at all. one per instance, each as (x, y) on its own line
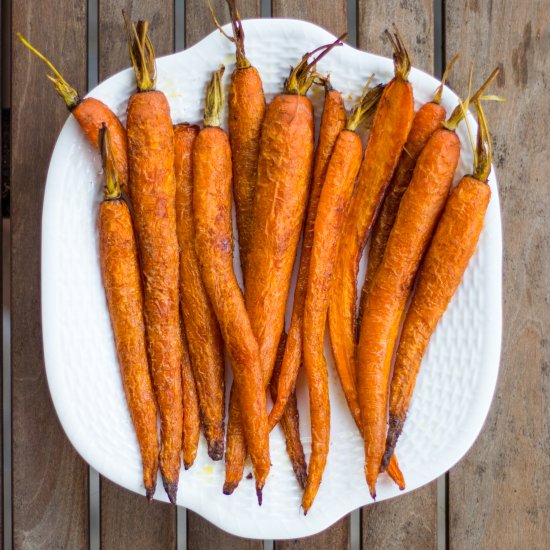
(171, 489)
(229, 487)
(149, 493)
(215, 450)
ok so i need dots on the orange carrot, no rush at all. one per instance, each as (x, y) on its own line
(418, 213)
(332, 123)
(284, 170)
(341, 172)
(451, 249)
(122, 281)
(214, 242)
(153, 194)
(90, 114)
(390, 128)
(426, 121)
(201, 325)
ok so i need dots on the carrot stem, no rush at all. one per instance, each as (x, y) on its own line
(214, 99)
(484, 152)
(365, 105)
(401, 59)
(142, 54)
(112, 182)
(439, 91)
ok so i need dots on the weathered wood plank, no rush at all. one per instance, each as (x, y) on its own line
(50, 481)
(201, 534)
(411, 519)
(499, 494)
(127, 519)
(332, 15)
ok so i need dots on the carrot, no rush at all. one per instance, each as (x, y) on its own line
(332, 123)
(191, 415)
(153, 194)
(284, 170)
(290, 421)
(201, 325)
(246, 113)
(214, 243)
(451, 249)
(426, 121)
(341, 172)
(390, 128)
(122, 282)
(418, 213)
(90, 114)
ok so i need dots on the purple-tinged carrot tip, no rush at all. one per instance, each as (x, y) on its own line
(372, 490)
(149, 493)
(229, 487)
(249, 475)
(259, 494)
(215, 449)
(394, 431)
(171, 489)
(187, 465)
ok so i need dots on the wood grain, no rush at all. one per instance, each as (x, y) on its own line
(50, 481)
(198, 22)
(336, 537)
(416, 514)
(499, 495)
(127, 519)
(414, 19)
(113, 50)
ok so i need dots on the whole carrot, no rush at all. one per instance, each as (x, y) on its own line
(246, 112)
(341, 172)
(390, 128)
(426, 121)
(332, 123)
(90, 114)
(418, 213)
(451, 249)
(201, 325)
(153, 193)
(122, 282)
(284, 170)
(214, 243)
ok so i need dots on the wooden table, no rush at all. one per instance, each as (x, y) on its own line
(499, 494)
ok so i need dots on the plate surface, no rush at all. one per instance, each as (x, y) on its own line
(459, 372)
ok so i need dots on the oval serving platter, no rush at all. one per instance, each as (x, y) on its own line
(459, 371)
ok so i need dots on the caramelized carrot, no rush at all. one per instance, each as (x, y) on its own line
(453, 244)
(214, 242)
(332, 123)
(390, 128)
(201, 325)
(153, 194)
(418, 213)
(426, 121)
(118, 258)
(341, 172)
(90, 114)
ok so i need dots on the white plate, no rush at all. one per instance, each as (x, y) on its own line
(459, 372)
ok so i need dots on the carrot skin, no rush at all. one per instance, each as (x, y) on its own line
(153, 192)
(426, 121)
(246, 113)
(420, 208)
(191, 415)
(90, 114)
(340, 176)
(332, 123)
(201, 325)
(450, 251)
(122, 282)
(390, 128)
(214, 243)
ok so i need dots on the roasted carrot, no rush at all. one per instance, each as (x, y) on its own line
(418, 213)
(332, 123)
(341, 172)
(246, 104)
(453, 244)
(426, 121)
(191, 414)
(90, 114)
(390, 128)
(118, 258)
(153, 194)
(214, 243)
(284, 170)
(201, 325)
(290, 421)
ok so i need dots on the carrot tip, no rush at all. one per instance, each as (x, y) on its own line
(372, 493)
(171, 489)
(259, 495)
(229, 487)
(149, 492)
(215, 449)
